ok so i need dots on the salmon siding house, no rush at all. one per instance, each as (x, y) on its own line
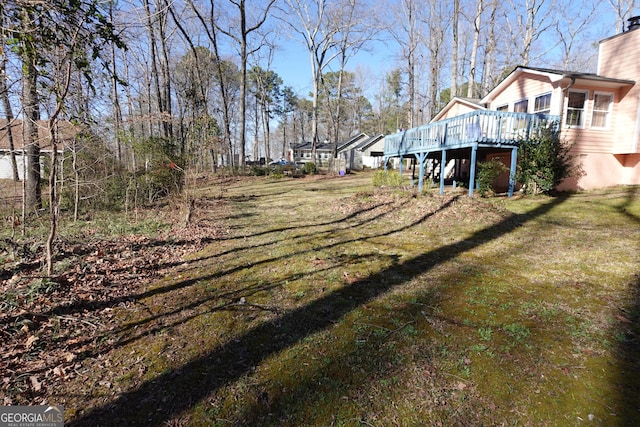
(599, 113)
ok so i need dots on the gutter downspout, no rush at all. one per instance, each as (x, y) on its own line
(565, 91)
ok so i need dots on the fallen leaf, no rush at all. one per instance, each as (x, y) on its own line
(37, 385)
(32, 339)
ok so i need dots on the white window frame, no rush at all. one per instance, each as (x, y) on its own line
(546, 110)
(521, 101)
(608, 112)
(583, 115)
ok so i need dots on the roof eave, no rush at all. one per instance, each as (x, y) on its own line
(453, 101)
(552, 76)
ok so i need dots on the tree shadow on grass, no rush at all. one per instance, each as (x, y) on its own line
(627, 334)
(84, 305)
(171, 393)
(221, 301)
(214, 301)
(93, 345)
(628, 359)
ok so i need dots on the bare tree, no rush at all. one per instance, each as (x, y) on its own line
(6, 103)
(31, 108)
(623, 10)
(454, 48)
(407, 33)
(474, 49)
(208, 23)
(64, 69)
(571, 31)
(73, 39)
(526, 28)
(318, 35)
(353, 30)
(437, 28)
(155, 18)
(490, 49)
(241, 39)
(115, 97)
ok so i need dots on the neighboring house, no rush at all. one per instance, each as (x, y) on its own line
(66, 135)
(349, 153)
(301, 153)
(599, 113)
(356, 153)
(371, 151)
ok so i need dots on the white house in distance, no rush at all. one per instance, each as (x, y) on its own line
(356, 153)
(66, 133)
(362, 151)
(599, 113)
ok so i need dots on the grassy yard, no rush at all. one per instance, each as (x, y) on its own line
(330, 303)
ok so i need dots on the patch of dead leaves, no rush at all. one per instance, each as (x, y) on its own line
(49, 325)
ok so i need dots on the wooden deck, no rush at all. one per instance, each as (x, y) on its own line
(477, 129)
(487, 128)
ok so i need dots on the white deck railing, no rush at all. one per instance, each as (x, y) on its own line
(477, 127)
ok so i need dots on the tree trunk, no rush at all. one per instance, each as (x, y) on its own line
(267, 141)
(435, 44)
(411, 64)
(474, 51)
(314, 121)
(454, 50)
(490, 49)
(212, 34)
(256, 122)
(155, 75)
(76, 187)
(167, 113)
(4, 92)
(53, 198)
(31, 117)
(117, 112)
(243, 85)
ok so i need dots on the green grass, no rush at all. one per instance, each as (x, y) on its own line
(333, 303)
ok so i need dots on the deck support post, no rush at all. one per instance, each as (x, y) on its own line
(400, 166)
(512, 170)
(472, 169)
(443, 165)
(421, 158)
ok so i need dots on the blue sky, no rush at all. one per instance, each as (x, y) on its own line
(293, 65)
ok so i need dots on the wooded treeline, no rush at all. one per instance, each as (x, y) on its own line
(154, 88)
